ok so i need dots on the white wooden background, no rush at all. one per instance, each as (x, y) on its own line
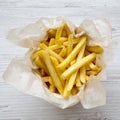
(15, 105)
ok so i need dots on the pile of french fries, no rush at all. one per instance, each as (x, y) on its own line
(65, 62)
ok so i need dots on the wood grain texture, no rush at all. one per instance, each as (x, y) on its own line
(15, 105)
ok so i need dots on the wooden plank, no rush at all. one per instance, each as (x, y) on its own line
(54, 4)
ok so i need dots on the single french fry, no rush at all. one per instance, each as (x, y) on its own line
(66, 43)
(67, 29)
(59, 33)
(55, 63)
(87, 77)
(71, 81)
(91, 72)
(94, 72)
(48, 79)
(52, 88)
(56, 80)
(70, 45)
(40, 64)
(73, 76)
(63, 52)
(74, 90)
(61, 40)
(78, 65)
(88, 67)
(55, 47)
(81, 53)
(82, 74)
(73, 62)
(78, 82)
(93, 67)
(52, 53)
(73, 54)
(35, 54)
(82, 71)
(52, 42)
(66, 93)
(64, 34)
(96, 49)
(51, 33)
(75, 41)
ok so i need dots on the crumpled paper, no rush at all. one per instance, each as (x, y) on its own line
(20, 72)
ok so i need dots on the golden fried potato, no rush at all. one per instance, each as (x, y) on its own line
(65, 62)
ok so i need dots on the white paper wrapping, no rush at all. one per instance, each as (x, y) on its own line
(20, 74)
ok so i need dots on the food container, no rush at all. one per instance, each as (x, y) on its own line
(20, 72)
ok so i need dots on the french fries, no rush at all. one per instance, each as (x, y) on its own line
(78, 81)
(96, 49)
(51, 33)
(52, 71)
(71, 81)
(59, 33)
(73, 54)
(65, 62)
(66, 93)
(52, 42)
(70, 44)
(74, 90)
(78, 65)
(63, 52)
(43, 46)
